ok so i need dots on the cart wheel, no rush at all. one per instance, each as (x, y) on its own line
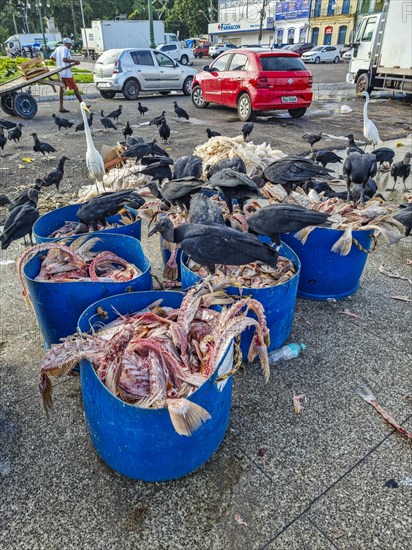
(6, 101)
(25, 106)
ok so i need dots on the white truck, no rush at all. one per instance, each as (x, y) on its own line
(119, 34)
(88, 43)
(18, 41)
(382, 50)
(177, 53)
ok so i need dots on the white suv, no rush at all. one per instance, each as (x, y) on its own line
(134, 70)
(322, 54)
(217, 49)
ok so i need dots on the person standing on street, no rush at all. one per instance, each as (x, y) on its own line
(62, 56)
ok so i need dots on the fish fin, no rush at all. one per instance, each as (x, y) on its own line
(186, 416)
(344, 244)
(304, 233)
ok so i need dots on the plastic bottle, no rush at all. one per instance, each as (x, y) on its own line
(285, 353)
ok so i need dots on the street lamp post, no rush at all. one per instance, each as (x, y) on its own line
(151, 30)
(84, 27)
(201, 11)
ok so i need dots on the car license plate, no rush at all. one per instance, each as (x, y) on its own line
(104, 85)
(289, 99)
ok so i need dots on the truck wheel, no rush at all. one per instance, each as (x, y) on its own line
(317, 60)
(197, 98)
(6, 102)
(107, 95)
(184, 60)
(244, 108)
(24, 105)
(297, 113)
(362, 84)
(131, 89)
(187, 86)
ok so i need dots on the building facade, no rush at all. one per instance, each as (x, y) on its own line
(283, 22)
(332, 22)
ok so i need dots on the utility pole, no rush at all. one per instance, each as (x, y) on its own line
(84, 27)
(151, 29)
(262, 16)
(74, 18)
(39, 8)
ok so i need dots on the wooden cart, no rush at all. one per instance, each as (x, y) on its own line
(15, 101)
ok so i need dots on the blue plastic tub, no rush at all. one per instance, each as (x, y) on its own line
(51, 221)
(142, 443)
(326, 274)
(279, 302)
(59, 305)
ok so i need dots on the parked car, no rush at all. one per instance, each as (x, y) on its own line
(287, 47)
(176, 52)
(348, 55)
(217, 49)
(301, 48)
(322, 54)
(201, 51)
(253, 80)
(134, 70)
(344, 49)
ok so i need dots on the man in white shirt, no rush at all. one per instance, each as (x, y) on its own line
(62, 57)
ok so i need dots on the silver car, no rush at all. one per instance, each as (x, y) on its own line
(134, 70)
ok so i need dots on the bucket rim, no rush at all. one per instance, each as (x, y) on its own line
(90, 235)
(138, 220)
(296, 261)
(85, 363)
(331, 230)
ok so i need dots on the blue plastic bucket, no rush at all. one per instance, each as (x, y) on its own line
(279, 302)
(59, 305)
(51, 221)
(142, 443)
(326, 274)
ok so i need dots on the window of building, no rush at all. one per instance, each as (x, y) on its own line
(345, 7)
(317, 8)
(291, 36)
(331, 7)
(315, 35)
(342, 34)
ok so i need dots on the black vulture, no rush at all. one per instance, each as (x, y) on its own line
(41, 146)
(402, 170)
(62, 122)
(181, 113)
(357, 169)
(234, 185)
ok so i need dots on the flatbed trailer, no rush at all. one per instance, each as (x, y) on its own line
(17, 102)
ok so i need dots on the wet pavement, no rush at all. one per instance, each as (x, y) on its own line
(336, 476)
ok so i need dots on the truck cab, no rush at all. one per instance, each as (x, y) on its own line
(176, 52)
(363, 52)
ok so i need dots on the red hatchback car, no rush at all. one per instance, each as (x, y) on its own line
(254, 80)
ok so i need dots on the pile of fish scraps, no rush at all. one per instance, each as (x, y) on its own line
(160, 356)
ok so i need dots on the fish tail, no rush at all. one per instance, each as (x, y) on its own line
(344, 244)
(304, 233)
(45, 388)
(186, 416)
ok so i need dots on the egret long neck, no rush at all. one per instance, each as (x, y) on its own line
(365, 110)
(87, 131)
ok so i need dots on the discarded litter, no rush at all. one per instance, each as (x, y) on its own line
(297, 401)
(239, 520)
(290, 351)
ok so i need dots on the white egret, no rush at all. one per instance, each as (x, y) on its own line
(94, 160)
(369, 129)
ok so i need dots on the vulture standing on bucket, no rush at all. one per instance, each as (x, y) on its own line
(357, 169)
(369, 129)
(99, 208)
(209, 245)
(283, 218)
(402, 170)
(94, 160)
